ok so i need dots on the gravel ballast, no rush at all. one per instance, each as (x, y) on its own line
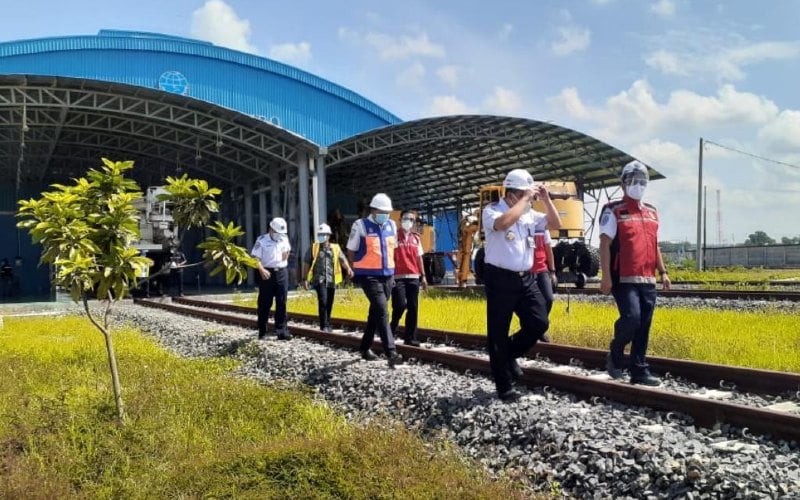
(548, 440)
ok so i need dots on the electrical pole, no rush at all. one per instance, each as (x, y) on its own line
(699, 251)
(719, 220)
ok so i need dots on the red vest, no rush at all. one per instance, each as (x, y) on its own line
(634, 250)
(539, 254)
(406, 254)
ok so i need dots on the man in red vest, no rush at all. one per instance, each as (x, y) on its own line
(629, 257)
(544, 267)
(370, 248)
(409, 276)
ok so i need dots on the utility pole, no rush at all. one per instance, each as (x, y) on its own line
(719, 220)
(705, 222)
(699, 251)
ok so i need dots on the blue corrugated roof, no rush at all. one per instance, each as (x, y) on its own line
(308, 105)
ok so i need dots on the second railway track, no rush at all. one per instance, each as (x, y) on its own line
(706, 412)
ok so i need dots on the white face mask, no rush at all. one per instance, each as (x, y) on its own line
(636, 191)
(407, 225)
(278, 237)
(381, 219)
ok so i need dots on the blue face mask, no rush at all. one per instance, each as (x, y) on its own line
(381, 219)
(322, 238)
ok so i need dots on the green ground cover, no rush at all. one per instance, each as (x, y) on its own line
(765, 339)
(737, 274)
(193, 431)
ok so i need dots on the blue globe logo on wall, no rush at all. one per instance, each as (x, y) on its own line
(173, 82)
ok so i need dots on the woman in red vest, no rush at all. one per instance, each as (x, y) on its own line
(409, 276)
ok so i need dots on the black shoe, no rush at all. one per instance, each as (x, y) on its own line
(545, 338)
(415, 343)
(613, 371)
(369, 355)
(514, 368)
(285, 336)
(508, 396)
(262, 335)
(395, 358)
(645, 378)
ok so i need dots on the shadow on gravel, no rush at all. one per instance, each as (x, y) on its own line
(323, 374)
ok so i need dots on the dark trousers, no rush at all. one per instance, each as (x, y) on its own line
(509, 293)
(176, 282)
(545, 284)
(636, 303)
(277, 288)
(377, 289)
(405, 299)
(325, 295)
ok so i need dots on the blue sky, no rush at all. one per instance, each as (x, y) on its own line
(647, 76)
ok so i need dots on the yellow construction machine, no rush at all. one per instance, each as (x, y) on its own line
(575, 260)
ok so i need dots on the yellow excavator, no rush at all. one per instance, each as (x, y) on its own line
(575, 260)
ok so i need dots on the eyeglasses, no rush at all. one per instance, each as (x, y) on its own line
(408, 219)
(639, 182)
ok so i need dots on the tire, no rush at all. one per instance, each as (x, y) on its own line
(587, 259)
(562, 255)
(580, 280)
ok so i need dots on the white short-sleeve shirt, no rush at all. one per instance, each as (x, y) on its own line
(608, 223)
(270, 252)
(511, 249)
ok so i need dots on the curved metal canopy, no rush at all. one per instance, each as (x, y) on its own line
(441, 162)
(52, 128)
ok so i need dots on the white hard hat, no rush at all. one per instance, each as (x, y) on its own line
(381, 202)
(324, 229)
(278, 224)
(518, 178)
(635, 167)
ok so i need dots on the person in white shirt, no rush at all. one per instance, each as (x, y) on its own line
(510, 226)
(272, 251)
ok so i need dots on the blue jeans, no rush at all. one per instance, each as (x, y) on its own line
(636, 303)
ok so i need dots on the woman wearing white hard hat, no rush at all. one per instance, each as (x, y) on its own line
(322, 270)
(371, 250)
(272, 251)
(629, 257)
(510, 226)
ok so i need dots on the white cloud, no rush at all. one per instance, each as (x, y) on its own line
(449, 75)
(782, 135)
(395, 48)
(412, 76)
(663, 8)
(217, 22)
(292, 53)
(573, 39)
(635, 114)
(723, 57)
(502, 101)
(448, 105)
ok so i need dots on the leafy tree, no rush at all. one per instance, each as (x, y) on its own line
(790, 241)
(759, 238)
(87, 231)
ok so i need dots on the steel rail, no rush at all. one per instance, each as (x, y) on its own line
(706, 374)
(705, 412)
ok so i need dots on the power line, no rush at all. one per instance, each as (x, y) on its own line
(752, 155)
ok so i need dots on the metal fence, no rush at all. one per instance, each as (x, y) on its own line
(770, 256)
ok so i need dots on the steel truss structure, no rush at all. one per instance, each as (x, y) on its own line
(439, 163)
(54, 128)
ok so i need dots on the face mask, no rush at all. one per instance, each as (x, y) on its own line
(407, 225)
(277, 237)
(636, 191)
(381, 219)
(322, 238)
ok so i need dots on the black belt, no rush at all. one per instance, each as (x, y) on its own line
(521, 274)
(275, 269)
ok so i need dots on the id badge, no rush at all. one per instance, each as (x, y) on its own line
(530, 242)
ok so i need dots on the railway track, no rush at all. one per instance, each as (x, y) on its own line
(705, 412)
(724, 294)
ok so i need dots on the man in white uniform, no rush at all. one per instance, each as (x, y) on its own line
(272, 251)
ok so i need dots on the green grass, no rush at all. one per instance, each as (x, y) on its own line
(737, 274)
(766, 339)
(194, 430)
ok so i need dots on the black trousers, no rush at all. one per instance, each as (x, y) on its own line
(405, 299)
(545, 284)
(325, 294)
(176, 282)
(508, 293)
(377, 289)
(277, 288)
